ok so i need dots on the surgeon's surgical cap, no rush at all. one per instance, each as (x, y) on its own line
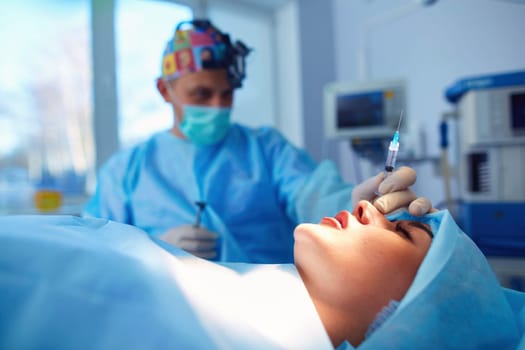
(202, 46)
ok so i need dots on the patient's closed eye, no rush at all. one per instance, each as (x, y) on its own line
(406, 228)
(424, 227)
(402, 229)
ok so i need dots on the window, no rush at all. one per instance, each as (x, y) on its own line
(45, 104)
(142, 30)
(47, 89)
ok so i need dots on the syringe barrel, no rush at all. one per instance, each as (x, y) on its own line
(391, 158)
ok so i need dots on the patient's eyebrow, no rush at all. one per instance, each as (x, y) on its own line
(421, 226)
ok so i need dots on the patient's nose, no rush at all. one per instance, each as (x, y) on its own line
(361, 212)
(366, 213)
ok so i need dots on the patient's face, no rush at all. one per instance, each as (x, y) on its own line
(352, 255)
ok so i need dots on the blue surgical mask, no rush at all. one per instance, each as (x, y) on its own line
(205, 125)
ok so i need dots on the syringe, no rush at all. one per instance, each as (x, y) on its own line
(393, 148)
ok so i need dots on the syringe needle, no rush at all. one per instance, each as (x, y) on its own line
(400, 119)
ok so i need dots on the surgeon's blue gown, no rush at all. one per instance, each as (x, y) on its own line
(257, 187)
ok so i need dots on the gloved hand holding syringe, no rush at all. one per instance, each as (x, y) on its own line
(390, 190)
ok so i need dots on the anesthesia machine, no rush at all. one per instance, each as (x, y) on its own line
(491, 160)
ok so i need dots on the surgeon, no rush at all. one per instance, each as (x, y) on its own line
(217, 189)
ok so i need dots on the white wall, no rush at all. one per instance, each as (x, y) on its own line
(432, 48)
(289, 98)
(317, 67)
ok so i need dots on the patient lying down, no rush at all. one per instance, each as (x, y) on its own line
(376, 283)
(353, 265)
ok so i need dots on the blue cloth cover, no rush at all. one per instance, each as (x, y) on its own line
(80, 283)
(257, 187)
(382, 316)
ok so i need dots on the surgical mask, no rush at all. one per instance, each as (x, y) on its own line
(205, 125)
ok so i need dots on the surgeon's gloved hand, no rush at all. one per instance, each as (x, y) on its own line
(195, 240)
(392, 193)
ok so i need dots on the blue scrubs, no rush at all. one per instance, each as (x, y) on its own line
(256, 184)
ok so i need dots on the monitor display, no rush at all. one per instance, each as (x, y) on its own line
(359, 110)
(364, 109)
(517, 111)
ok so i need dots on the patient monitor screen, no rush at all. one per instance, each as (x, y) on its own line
(517, 106)
(361, 110)
(364, 109)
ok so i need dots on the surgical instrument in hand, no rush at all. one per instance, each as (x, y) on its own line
(393, 149)
(200, 205)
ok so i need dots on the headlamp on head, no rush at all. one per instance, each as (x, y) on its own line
(203, 46)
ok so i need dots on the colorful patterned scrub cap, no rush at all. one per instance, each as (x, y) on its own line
(203, 47)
